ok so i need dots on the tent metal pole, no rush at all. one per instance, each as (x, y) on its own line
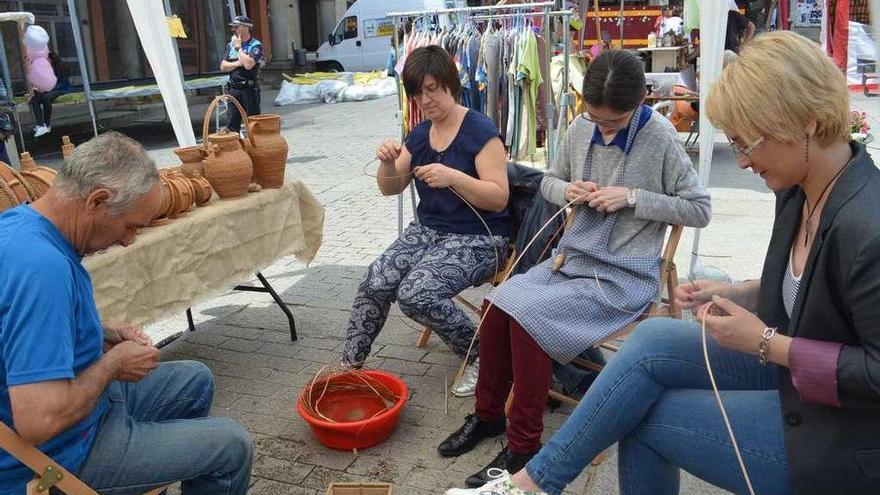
(7, 82)
(81, 56)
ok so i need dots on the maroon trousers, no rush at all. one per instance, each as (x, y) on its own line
(509, 355)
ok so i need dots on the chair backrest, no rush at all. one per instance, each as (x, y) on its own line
(42, 465)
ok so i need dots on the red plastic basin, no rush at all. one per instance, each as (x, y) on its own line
(359, 426)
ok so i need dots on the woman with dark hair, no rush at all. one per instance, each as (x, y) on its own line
(41, 103)
(455, 150)
(625, 171)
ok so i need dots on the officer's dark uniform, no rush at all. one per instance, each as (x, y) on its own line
(244, 84)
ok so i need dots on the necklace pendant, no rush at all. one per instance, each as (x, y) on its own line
(809, 231)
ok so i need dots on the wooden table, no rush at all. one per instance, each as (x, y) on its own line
(199, 256)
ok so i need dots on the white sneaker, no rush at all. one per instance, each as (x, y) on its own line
(41, 131)
(467, 386)
(500, 485)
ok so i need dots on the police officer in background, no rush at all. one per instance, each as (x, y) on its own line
(243, 57)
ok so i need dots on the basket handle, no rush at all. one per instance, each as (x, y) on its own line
(210, 110)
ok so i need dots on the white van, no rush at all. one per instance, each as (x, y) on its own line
(361, 40)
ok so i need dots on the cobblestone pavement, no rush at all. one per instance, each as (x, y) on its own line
(259, 372)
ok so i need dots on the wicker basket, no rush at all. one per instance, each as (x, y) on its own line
(15, 183)
(7, 197)
(39, 178)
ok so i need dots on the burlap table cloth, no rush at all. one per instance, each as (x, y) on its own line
(205, 253)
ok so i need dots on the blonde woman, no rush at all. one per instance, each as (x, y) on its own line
(796, 354)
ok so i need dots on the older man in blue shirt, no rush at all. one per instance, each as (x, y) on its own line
(91, 395)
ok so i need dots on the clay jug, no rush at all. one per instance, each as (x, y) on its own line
(269, 151)
(228, 167)
(66, 146)
(191, 156)
(202, 189)
(39, 178)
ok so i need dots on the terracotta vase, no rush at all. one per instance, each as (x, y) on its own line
(66, 146)
(269, 152)
(202, 189)
(39, 178)
(191, 156)
(228, 167)
(15, 183)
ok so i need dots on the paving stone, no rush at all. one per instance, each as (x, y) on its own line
(280, 470)
(241, 345)
(381, 468)
(270, 487)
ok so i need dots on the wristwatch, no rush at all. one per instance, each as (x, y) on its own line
(631, 197)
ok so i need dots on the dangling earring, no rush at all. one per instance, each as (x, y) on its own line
(807, 152)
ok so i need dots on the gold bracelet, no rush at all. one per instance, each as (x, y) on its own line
(764, 344)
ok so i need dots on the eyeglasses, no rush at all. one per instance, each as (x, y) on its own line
(618, 123)
(745, 152)
(431, 92)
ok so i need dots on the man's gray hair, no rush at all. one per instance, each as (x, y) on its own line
(112, 161)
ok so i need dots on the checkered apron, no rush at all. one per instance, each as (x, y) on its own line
(593, 295)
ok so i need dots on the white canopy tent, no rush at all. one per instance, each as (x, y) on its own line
(713, 26)
(155, 37)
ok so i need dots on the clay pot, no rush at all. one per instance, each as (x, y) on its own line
(15, 183)
(66, 146)
(202, 189)
(39, 178)
(191, 156)
(228, 167)
(269, 151)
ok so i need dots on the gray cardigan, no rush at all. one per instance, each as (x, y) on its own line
(657, 165)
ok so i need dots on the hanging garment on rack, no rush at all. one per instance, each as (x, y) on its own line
(472, 45)
(541, 104)
(512, 91)
(529, 79)
(493, 62)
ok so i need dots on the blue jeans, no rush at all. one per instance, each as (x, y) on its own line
(655, 399)
(157, 431)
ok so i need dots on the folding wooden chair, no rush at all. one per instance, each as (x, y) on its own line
(48, 473)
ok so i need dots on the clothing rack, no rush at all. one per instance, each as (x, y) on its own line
(552, 135)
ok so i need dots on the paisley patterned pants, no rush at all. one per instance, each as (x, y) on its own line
(423, 270)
